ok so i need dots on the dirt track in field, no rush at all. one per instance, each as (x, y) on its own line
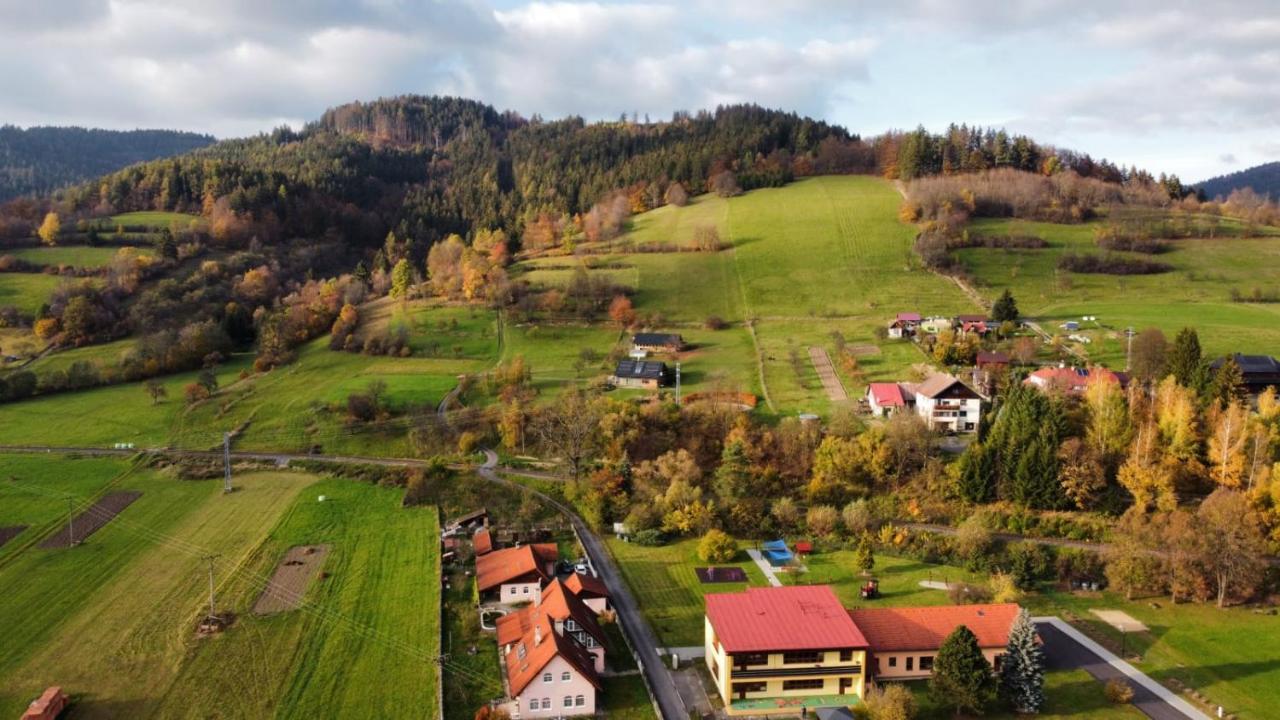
(9, 533)
(827, 373)
(290, 581)
(92, 519)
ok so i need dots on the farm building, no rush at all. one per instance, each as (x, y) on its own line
(657, 342)
(947, 404)
(474, 519)
(569, 616)
(886, 398)
(1259, 371)
(548, 675)
(647, 374)
(515, 575)
(904, 325)
(481, 542)
(904, 641)
(1072, 380)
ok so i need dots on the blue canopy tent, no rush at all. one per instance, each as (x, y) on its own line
(777, 552)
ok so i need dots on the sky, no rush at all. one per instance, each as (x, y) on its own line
(1181, 87)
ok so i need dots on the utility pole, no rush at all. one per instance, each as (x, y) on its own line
(212, 606)
(677, 382)
(1128, 354)
(226, 462)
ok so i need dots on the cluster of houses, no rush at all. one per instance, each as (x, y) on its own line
(638, 371)
(944, 402)
(911, 324)
(777, 650)
(551, 646)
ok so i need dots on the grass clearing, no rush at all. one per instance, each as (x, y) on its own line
(27, 291)
(79, 256)
(156, 219)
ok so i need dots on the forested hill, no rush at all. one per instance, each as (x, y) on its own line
(41, 159)
(1263, 179)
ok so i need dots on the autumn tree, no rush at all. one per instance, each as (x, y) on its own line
(706, 238)
(1183, 547)
(822, 520)
(1234, 548)
(50, 229)
(676, 195)
(156, 390)
(864, 554)
(724, 184)
(716, 546)
(621, 312)
(1229, 434)
(1132, 563)
(1147, 360)
(570, 428)
(401, 279)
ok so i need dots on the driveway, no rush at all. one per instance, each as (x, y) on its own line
(1067, 648)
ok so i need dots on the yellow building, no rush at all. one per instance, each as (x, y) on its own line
(780, 649)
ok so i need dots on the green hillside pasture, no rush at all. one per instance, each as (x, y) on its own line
(27, 291)
(675, 226)
(552, 351)
(434, 330)
(80, 256)
(103, 356)
(1196, 293)
(111, 620)
(33, 490)
(364, 643)
(151, 219)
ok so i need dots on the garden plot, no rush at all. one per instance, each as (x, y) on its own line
(91, 520)
(1120, 620)
(291, 579)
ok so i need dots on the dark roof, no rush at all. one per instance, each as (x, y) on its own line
(971, 318)
(656, 339)
(644, 369)
(1251, 363)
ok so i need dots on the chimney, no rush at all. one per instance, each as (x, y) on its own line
(537, 635)
(559, 627)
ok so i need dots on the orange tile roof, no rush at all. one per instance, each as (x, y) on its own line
(590, 585)
(541, 645)
(924, 628)
(481, 542)
(503, 566)
(774, 619)
(557, 602)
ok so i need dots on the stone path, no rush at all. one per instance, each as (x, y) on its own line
(827, 374)
(765, 568)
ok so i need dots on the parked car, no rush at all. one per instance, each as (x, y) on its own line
(582, 568)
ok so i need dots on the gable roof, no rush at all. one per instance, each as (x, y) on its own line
(1251, 363)
(909, 317)
(541, 645)
(587, 586)
(887, 394)
(1073, 380)
(986, 357)
(501, 566)
(658, 339)
(776, 619)
(481, 542)
(971, 318)
(924, 628)
(939, 384)
(646, 369)
(556, 602)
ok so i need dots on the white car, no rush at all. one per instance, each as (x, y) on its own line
(582, 568)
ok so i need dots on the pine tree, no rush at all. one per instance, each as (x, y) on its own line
(1005, 308)
(1186, 361)
(962, 678)
(1228, 382)
(976, 475)
(1022, 667)
(864, 554)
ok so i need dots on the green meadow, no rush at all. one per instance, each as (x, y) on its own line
(79, 256)
(27, 291)
(151, 219)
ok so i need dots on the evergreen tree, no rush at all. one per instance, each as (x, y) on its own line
(1005, 308)
(361, 273)
(1186, 361)
(733, 477)
(864, 555)
(976, 479)
(1228, 382)
(1022, 667)
(1024, 440)
(962, 678)
(165, 246)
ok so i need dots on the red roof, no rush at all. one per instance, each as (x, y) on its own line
(776, 619)
(539, 646)
(556, 602)
(587, 586)
(887, 394)
(990, 358)
(909, 317)
(924, 628)
(503, 566)
(482, 542)
(804, 547)
(1073, 380)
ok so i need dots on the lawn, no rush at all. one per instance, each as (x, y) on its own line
(899, 579)
(1196, 293)
(1068, 694)
(80, 256)
(627, 698)
(112, 619)
(151, 219)
(27, 291)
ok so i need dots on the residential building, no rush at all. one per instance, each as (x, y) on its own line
(548, 675)
(569, 615)
(904, 325)
(1259, 371)
(885, 399)
(591, 590)
(515, 575)
(657, 342)
(1072, 380)
(948, 405)
(482, 542)
(989, 361)
(780, 649)
(647, 374)
(904, 641)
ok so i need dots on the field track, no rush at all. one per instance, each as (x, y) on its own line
(9, 533)
(827, 374)
(92, 519)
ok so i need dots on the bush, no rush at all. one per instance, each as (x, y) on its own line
(1004, 589)
(715, 322)
(717, 547)
(890, 701)
(1109, 264)
(1028, 564)
(649, 538)
(965, 594)
(1118, 692)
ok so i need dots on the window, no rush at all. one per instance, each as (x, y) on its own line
(846, 656)
(893, 661)
(749, 687)
(526, 589)
(996, 662)
(580, 701)
(570, 624)
(926, 662)
(511, 589)
(568, 701)
(546, 677)
(750, 659)
(910, 661)
(792, 658)
(520, 651)
(533, 704)
(546, 703)
(564, 677)
(803, 684)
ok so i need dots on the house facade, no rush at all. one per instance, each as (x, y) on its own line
(776, 650)
(644, 374)
(948, 405)
(904, 325)
(515, 575)
(904, 641)
(1072, 381)
(590, 590)
(548, 676)
(884, 399)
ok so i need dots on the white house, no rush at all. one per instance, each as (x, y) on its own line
(948, 405)
(886, 398)
(549, 675)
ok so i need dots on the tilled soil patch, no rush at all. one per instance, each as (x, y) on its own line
(9, 533)
(292, 577)
(92, 520)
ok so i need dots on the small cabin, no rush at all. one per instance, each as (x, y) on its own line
(644, 374)
(657, 342)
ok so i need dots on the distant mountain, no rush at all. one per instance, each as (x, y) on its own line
(41, 159)
(1264, 179)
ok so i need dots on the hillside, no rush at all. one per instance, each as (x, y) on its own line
(42, 159)
(1263, 179)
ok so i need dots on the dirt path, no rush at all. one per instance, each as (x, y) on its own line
(827, 373)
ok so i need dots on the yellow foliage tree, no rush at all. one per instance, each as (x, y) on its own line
(50, 229)
(1227, 441)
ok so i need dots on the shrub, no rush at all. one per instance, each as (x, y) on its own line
(467, 442)
(890, 701)
(649, 538)
(717, 547)
(1118, 692)
(715, 322)
(1004, 589)
(964, 594)
(1110, 264)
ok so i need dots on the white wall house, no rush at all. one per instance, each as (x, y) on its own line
(948, 405)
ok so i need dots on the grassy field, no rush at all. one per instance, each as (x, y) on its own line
(80, 256)
(27, 291)
(151, 219)
(1068, 694)
(1196, 293)
(33, 492)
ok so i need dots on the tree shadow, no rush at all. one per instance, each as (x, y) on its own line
(739, 242)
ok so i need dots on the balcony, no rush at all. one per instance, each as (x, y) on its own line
(785, 672)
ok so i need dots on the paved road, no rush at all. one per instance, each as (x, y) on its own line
(1065, 652)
